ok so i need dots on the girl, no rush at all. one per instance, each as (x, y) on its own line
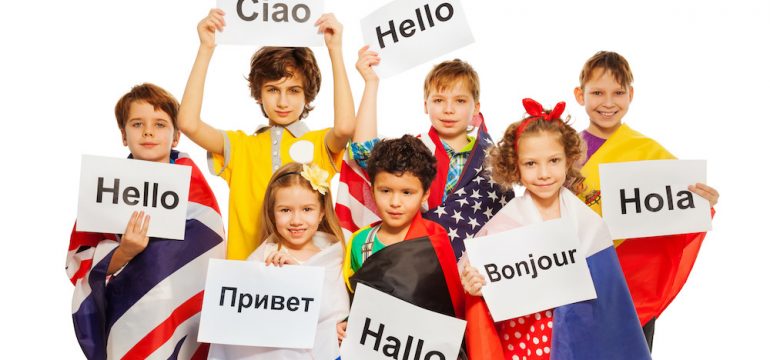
(542, 153)
(300, 228)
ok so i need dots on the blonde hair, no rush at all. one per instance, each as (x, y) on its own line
(446, 74)
(288, 176)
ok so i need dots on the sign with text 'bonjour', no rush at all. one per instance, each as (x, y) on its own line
(271, 22)
(112, 189)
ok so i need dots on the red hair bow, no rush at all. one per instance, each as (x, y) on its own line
(535, 111)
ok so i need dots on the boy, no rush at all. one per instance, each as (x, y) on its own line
(655, 268)
(462, 198)
(408, 246)
(283, 81)
(134, 297)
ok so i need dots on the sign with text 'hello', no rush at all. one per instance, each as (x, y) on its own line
(531, 268)
(383, 327)
(271, 22)
(650, 198)
(111, 189)
(248, 303)
(407, 33)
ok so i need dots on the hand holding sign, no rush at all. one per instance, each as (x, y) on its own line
(332, 30)
(706, 192)
(367, 59)
(472, 279)
(214, 21)
(135, 239)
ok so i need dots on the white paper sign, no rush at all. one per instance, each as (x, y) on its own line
(407, 33)
(383, 327)
(531, 268)
(271, 23)
(650, 198)
(248, 303)
(111, 189)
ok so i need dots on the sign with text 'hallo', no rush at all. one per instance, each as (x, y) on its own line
(383, 327)
(650, 198)
(111, 189)
(271, 22)
(407, 33)
(531, 268)
(249, 303)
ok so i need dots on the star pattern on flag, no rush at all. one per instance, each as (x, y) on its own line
(476, 206)
(457, 216)
(440, 211)
(452, 233)
(475, 193)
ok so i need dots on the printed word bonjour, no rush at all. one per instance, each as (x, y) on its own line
(392, 348)
(443, 13)
(276, 302)
(655, 202)
(131, 195)
(544, 262)
(279, 12)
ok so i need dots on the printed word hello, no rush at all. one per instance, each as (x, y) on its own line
(424, 17)
(131, 195)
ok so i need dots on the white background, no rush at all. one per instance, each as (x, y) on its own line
(701, 90)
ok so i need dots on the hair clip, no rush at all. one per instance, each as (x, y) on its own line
(318, 178)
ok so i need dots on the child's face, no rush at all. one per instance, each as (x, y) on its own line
(149, 133)
(606, 101)
(451, 110)
(283, 100)
(542, 165)
(398, 198)
(298, 213)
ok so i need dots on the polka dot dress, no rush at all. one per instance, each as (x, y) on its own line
(527, 337)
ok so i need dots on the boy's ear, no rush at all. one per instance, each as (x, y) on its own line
(123, 136)
(425, 196)
(176, 138)
(477, 108)
(579, 95)
(630, 93)
(425, 106)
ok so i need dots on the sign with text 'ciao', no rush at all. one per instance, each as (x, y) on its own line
(407, 33)
(383, 327)
(531, 268)
(111, 189)
(248, 303)
(271, 22)
(650, 198)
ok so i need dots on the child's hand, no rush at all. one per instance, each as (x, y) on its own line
(135, 239)
(206, 27)
(706, 192)
(332, 30)
(341, 328)
(472, 279)
(279, 258)
(366, 60)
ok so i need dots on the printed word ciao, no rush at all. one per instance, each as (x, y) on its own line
(425, 17)
(278, 12)
(275, 302)
(655, 202)
(132, 195)
(392, 347)
(521, 268)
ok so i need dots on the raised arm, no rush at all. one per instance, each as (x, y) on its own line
(189, 118)
(366, 118)
(344, 110)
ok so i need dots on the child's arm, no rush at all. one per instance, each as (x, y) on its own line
(189, 118)
(344, 110)
(366, 118)
(132, 243)
(705, 191)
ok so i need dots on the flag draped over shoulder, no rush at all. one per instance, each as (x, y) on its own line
(655, 268)
(471, 203)
(151, 307)
(602, 328)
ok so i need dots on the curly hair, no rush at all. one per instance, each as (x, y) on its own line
(275, 63)
(288, 176)
(404, 155)
(503, 158)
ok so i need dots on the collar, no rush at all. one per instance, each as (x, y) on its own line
(296, 129)
(467, 148)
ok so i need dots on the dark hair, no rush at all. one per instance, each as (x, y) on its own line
(447, 73)
(504, 160)
(404, 155)
(275, 63)
(159, 98)
(610, 61)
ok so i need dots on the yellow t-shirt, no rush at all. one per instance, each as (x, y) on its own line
(248, 162)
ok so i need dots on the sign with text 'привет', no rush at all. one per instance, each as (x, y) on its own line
(383, 327)
(271, 22)
(407, 33)
(650, 198)
(531, 268)
(249, 303)
(111, 189)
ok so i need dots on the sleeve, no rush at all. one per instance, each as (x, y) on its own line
(222, 165)
(350, 264)
(331, 162)
(360, 151)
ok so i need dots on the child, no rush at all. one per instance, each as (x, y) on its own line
(542, 153)
(300, 228)
(391, 255)
(135, 297)
(459, 190)
(605, 91)
(284, 82)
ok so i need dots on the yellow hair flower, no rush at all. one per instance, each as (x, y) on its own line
(318, 178)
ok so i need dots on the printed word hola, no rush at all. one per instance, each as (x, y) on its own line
(655, 202)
